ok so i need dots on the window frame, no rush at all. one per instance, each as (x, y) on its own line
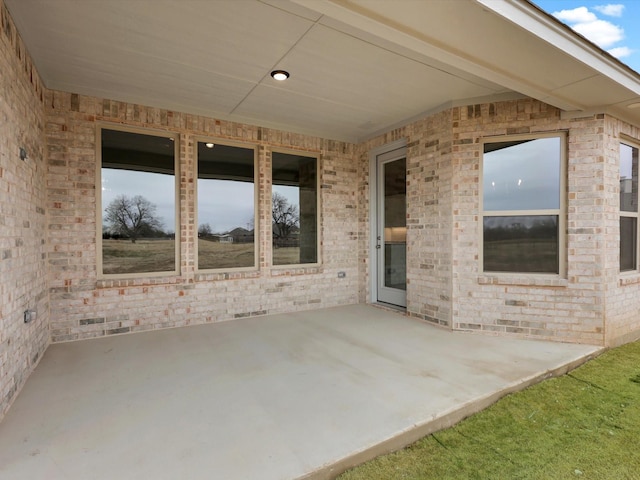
(299, 153)
(256, 204)
(629, 142)
(100, 126)
(561, 212)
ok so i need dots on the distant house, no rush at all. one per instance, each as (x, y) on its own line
(237, 235)
(240, 235)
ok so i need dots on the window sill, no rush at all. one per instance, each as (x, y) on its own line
(629, 278)
(523, 280)
(292, 270)
(210, 276)
(138, 281)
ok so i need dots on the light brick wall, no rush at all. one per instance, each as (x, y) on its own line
(570, 309)
(429, 171)
(23, 275)
(361, 159)
(622, 289)
(446, 285)
(429, 219)
(84, 306)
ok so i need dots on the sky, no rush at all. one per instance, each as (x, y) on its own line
(612, 26)
(514, 177)
(225, 204)
(228, 204)
(158, 189)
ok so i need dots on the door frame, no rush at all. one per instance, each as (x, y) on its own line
(373, 211)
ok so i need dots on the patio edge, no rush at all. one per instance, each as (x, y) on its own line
(446, 420)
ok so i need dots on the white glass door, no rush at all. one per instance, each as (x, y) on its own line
(391, 232)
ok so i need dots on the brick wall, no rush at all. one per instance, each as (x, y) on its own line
(622, 289)
(83, 306)
(362, 159)
(446, 285)
(429, 171)
(429, 215)
(570, 309)
(23, 274)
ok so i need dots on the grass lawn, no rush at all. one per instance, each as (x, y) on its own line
(585, 424)
(286, 256)
(521, 256)
(123, 256)
(225, 255)
(232, 255)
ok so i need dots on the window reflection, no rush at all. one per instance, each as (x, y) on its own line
(522, 175)
(138, 203)
(628, 207)
(395, 220)
(527, 243)
(628, 242)
(294, 205)
(628, 178)
(226, 206)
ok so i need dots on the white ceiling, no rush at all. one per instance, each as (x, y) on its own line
(358, 67)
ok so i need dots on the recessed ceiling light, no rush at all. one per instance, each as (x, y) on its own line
(634, 105)
(280, 75)
(209, 145)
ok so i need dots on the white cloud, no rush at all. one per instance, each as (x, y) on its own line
(577, 15)
(612, 10)
(601, 32)
(620, 52)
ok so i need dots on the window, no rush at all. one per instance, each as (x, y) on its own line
(628, 207)
(294, 209)
(522, 195)
(138, 202)
(226, 206)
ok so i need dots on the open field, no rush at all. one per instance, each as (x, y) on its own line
(214, 255)
(123, 256)
(286, 256)
(585, 424)
(224, 255)
(521, 256)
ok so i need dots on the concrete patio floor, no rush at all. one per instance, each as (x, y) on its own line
(300, 395)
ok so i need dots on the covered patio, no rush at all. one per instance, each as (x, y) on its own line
(287, 396)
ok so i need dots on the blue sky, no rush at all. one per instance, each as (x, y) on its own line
(613, 26)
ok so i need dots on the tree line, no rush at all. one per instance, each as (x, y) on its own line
(132, 218)
(135, 217)
(542, 228)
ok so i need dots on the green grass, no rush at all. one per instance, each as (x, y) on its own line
(583, 425)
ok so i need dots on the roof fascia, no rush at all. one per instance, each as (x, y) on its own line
(546, 27)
